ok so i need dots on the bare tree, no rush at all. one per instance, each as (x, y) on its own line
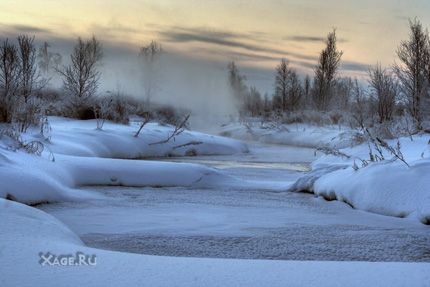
(9, 78)
(384, 90)
(81, 77)
(282, 82)
(254, 102)
(414, 55)
(342, 93)
(325, 72)
(295, 92)
(28, 76)
(307, 90)
(48, 60)
(151, 55)
(359, 106)
(288, 87)
(237, 85)
(236, 80)
(101, 108)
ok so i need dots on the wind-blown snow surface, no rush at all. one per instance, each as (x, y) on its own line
(388, 187)
(86, 156)
(80, 138)
(27, 231)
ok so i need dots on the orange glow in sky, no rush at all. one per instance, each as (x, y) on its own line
(254, 33)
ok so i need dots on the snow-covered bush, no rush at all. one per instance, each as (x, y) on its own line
(120, 109)
(113, 108)
(26, 114)
(13, 141)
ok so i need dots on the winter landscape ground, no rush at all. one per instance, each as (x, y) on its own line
(214, 143)
(110, 194)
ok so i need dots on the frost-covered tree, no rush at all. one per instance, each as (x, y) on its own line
(48, 60)
(254, 102)
(307, 86)
(295, 92)
(28, 76)
(28, 109)
(325, 72)
(237, 86)
(81, 78)
(150, 56)
(360, 106)
(288, 87)
(413, 69)
(19, 81)
(282, 82)
(9, 79)
(342, 93)
(384, 90)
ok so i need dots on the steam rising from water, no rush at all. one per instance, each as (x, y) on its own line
(182, 82)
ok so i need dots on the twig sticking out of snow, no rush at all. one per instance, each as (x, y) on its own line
(180, 128)
(141, 127)
(332, 151)
(335, 152)
(380, 144)
(395, 151)
(35, 147)
(188, 144)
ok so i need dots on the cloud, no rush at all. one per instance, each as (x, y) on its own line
(114, 29)
(235, 55)
(310, 39)
(216, 37)
(354, 66)
(22, 29)
(231, 41)
(305, 38)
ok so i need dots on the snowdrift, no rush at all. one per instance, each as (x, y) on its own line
(80, 138)
(388, 187)
(27, 232)
(85, 156)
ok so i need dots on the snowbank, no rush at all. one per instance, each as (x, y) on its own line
(303, 135)
(389, 187)
(27, 232)
(86, 156)
(31, 179)
(80, 138)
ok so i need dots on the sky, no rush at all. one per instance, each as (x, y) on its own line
(255, 34)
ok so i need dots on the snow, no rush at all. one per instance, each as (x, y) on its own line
(112, 157)
(388, 187)
(27, 231)
(30, 179)
(303, 135)
(85, 156)
(80, 138)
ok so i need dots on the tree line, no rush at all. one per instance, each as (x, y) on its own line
(403, 88)
(25, 72)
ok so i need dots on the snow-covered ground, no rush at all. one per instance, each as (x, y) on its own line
(80, 138)
(236, 195)
(27, 231)
(387, 187)
(86, 156)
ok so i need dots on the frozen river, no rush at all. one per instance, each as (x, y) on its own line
(242, 222)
